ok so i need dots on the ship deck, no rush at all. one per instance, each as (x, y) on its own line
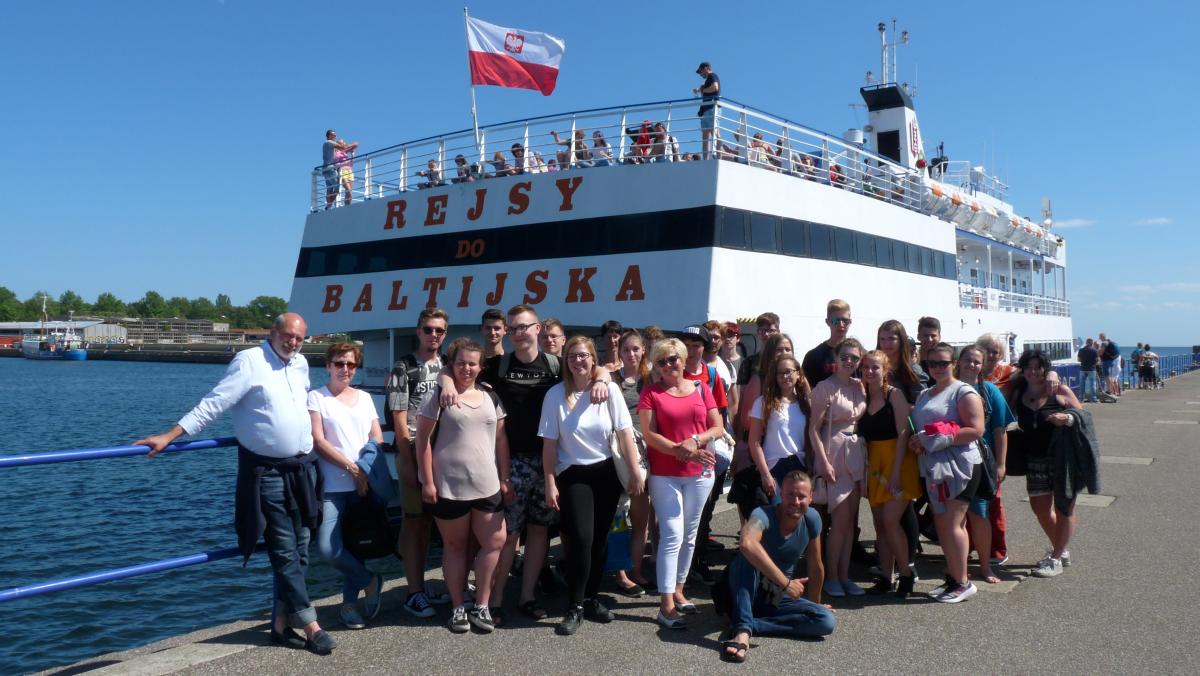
(1125, 606)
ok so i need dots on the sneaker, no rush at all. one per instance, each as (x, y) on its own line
(1066, 558)
(374, 602)
(834, 588)
(904, 586)
(957, 593)
(1048, 567)
(597, 612)
(351, 619)
(417, 605)
(941, 588)
(570, 623)
(459, 623)
(667, 622)
(852, 589)
(882, 585)
(999, 560)
(438, 598)
(481, 617)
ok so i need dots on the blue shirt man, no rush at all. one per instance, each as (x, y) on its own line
(765, 592)
(265, 390)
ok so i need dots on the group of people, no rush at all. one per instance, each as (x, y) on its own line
(1101, 365)
(501, 445)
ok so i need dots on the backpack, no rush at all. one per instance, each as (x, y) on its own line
(367, 532)
(1111, 351)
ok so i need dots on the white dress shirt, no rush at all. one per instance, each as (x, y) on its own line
(268, 399)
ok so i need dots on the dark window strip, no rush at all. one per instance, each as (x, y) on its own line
(679, 229)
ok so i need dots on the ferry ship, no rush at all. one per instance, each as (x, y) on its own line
(775, 216)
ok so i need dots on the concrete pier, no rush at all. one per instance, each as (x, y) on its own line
(1128, 604)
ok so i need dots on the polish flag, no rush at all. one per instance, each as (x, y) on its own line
(510, 57)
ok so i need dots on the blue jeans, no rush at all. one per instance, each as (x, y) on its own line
(797, 618)
(287, 547)
(355, 575)
(781, 469)
(1087, 384)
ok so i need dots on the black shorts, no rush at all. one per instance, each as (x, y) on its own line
(448, 509)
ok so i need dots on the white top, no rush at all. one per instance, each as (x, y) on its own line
(267, 398)
(784, 435)
(583, 432)
(723, 371)
(347, 428)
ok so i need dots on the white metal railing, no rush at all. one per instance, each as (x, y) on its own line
(650, 132)
(961, 174)
(981, 298)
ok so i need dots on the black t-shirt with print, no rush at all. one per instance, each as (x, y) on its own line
(521, 391)
(819, 363)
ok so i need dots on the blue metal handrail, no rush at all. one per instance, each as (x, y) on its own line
(112, 452)
(98, 577)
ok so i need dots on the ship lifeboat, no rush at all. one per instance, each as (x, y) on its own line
(936, 200)
(984, 217)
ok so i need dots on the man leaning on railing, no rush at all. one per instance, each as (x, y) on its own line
(278, 486)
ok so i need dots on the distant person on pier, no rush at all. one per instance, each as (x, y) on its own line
(710, 93)
(278, 485)
(412, 381)
(1110, 356)
(1149, 368)
(347, 437)
(1135, 363)
(1087, 371)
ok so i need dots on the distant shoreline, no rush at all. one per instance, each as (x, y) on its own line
(192, 353)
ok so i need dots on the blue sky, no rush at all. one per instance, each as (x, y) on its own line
(167, 145)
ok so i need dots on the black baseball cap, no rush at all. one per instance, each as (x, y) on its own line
(702, 66)
(696, 333)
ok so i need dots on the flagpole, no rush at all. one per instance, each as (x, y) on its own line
(474, 112)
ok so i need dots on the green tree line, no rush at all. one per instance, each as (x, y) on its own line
(258, 313)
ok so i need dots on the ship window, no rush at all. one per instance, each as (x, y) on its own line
(914, 258)
(762, 232)
(951, 266)
(866, 248)
(316, 263)
(899, 255)
(733, 228)
(883, 253)
(927, 261)
(794, 237)
(377, 264)
(844, 239)
(819, 238)
(346, 263)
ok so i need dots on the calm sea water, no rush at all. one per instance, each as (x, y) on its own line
(73, 518)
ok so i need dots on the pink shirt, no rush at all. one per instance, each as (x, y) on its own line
(677, 419)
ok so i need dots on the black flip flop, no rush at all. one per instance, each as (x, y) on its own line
(738, 647)
(532, 610)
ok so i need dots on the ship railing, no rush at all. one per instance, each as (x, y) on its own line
(1168, 367)
(110, 575)
(981, 298)
(742, 134)
(960, 174)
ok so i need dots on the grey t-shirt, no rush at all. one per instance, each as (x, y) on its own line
(327, 149)
(408, 393)
(943, 406)
(464, 455)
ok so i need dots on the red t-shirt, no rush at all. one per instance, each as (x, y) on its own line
(677, 419)
(718, 392)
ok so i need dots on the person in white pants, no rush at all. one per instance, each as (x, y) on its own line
(679, 417)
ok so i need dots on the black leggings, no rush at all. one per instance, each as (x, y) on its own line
(588, 497)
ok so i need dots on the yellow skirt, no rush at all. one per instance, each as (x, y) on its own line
(880, 456)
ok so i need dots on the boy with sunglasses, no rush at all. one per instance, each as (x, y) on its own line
(821, 361)
(412, 380)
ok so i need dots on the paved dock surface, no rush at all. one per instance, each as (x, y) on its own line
(1128, 604)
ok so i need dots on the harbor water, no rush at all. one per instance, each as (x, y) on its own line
(73, 518)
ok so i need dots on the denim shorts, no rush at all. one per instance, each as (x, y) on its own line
(331, 179)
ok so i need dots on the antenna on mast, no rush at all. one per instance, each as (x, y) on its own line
(890, 71)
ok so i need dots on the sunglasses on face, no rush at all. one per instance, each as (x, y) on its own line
(845, 321)
(345, 365)
(849, 359)
(433, 330)
(938, 363)
(668, 361)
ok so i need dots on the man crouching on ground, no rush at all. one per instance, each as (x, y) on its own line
(766, 595)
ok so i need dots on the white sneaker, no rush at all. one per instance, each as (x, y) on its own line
(1048, 567)
(958, 593)
(947, 584)
(1066, 558)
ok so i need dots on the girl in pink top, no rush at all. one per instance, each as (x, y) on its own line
(678, 419)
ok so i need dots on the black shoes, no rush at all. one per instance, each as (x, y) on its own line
(904, 586)
(570, 623)
(321, 643)
(597, 612)
(288, 637)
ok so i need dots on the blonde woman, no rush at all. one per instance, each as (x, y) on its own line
(581, 478)
(678, 419)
